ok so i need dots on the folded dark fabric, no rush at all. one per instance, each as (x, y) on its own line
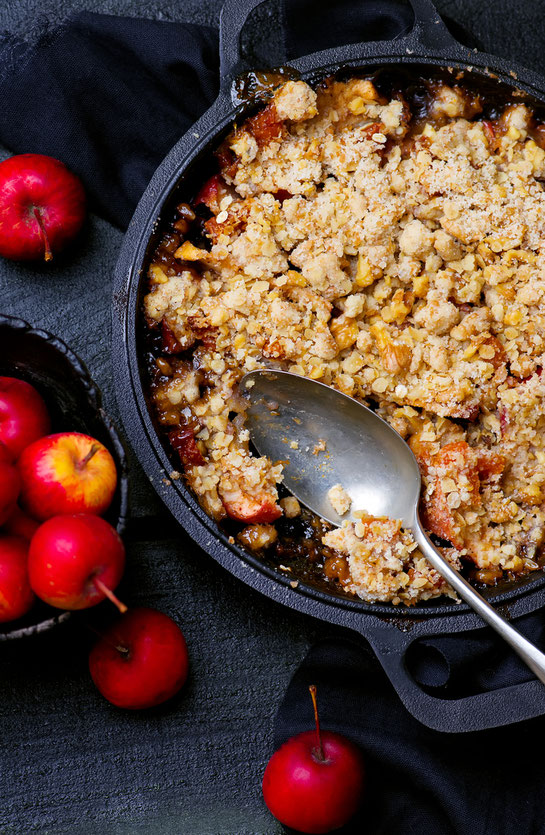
(109, 96)
(419, 781)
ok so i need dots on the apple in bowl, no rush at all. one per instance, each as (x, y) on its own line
(10, 486)
(23, 415)
(68, 472)
(16, 595)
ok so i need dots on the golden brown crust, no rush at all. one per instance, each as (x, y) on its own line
(405, 267)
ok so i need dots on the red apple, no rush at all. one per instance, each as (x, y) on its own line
(10, 485)
(141, 661)
(314, 782)
(20, 524)
(16, 596)
(42, 207)
(66, 473)
(23, 415)
(5, 455)
(75, 561)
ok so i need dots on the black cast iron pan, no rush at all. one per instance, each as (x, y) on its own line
(428, 49)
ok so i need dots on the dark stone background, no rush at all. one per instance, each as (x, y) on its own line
(69, 762)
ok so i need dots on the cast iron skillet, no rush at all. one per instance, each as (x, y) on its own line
(75, 404)
(428, 48)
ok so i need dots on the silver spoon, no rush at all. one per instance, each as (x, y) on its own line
(325, 438)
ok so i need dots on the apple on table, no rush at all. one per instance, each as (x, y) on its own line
(314, 783)
(141, 661)
(42, 207)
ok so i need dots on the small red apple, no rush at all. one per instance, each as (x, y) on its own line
(10, 486)
(23, 415)
(75, 561)
(66, 473)
(42, 207)
(141, 661)
(20, 524)
(16, 596)
(314, 782)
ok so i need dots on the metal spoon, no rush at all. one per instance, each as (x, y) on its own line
(325, 438)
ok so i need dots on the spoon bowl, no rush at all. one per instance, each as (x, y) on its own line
(325, 438)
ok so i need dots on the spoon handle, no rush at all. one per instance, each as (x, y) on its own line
(529, 653)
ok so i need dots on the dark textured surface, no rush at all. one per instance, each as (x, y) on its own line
(69, 761)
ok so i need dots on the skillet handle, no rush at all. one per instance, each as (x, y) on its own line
(429, 31)
(479, 712)
(428, 34)
(233, 16)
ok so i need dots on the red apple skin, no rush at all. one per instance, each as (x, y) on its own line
(16, 596)
(23, 415)
(20, 524)
(35, 186)
(67, 554)
(10, 486)
(150, 666)
(310, 795)
(57, 478)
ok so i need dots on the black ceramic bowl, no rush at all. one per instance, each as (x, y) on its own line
(74, 403)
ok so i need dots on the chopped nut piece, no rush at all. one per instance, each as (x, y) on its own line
(290, 506)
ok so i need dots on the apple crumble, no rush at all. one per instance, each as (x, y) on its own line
(398, 256)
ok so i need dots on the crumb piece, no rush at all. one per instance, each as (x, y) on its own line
(294, 444)
(290, 506)
(339, 499)
(257, 537)
(321, 446)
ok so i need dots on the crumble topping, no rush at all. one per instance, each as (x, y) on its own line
(401, 262)
(339, 499)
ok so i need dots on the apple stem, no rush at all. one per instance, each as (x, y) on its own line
(319, 747)
(84, 461)
(110, 595)
(48, 255)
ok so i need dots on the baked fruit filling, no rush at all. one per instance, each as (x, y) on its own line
(396, 253)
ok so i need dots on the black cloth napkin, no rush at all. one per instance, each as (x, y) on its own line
(110, 96)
